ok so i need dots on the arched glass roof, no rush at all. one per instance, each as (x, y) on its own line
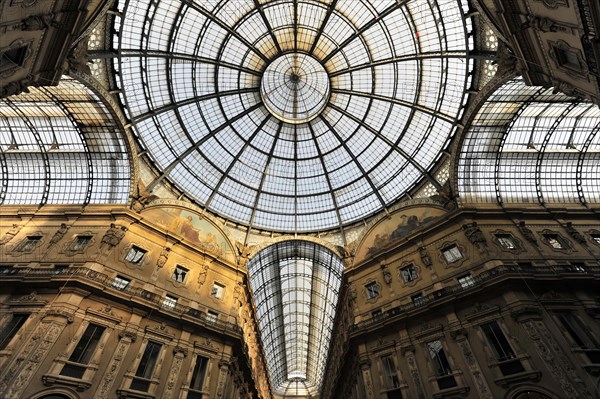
(60, 145)
(293, 115)
(295, 285)
(529, 145)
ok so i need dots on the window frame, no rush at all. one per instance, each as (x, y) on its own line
(179, 269)
(133, 252)
(372, 290)
(169, 302)
(143, 377)
(410, 267)
(389, 374)
(450, 249)
(29, 243)
(83, 352)
(470, 283)
(195, 390)
(118, 285)
(7, 336)
(221, 292)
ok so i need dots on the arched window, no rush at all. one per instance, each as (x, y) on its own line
(531, 395)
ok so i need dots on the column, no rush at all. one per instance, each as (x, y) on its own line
(223, 371)
(481, 385)
(365, 370)
(27, 361)
(126, 338)
(409, 355)
(550, 352)
(179, 354)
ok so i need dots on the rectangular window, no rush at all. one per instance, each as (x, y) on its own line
(198, 376)
(580, 336)
(408, 273)
(506, 241)
(81, 242)
(372, 290)
(554, 241)
(135, 255)
(11, 329)
(217, 290)
(169, 302)
(501, 348)
(83, 352)
(568, 58)
(578, 267)
(179, 274)
(12, 58)
(120, 283)
(418, 300)
(211, 316)
(452, 254)
(61, 269)
(466, 281)
(441, 366)
(576, 331)
(143, 374)
(29, 243)
(390, 374)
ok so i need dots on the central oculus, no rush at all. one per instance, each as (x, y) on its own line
(295, 88)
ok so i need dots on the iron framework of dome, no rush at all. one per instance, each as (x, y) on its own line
(293, 116)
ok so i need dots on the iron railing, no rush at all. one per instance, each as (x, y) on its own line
(523, 270)
(85, 273)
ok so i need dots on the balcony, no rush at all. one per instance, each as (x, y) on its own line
(93, 279)
(498, 273)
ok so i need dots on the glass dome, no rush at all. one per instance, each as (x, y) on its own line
(293, 116)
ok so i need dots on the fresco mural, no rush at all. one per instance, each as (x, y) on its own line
(192, 227)
(391, 230)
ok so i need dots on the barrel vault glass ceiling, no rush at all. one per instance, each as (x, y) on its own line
(293, 115)
(296, 286)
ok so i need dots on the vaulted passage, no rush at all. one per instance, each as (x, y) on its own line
(295, 285)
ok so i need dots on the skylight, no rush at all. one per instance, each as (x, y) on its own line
(293, 116)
